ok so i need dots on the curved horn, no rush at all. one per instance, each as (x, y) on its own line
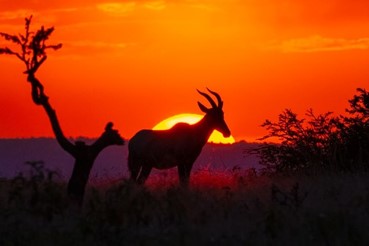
(220, 102)
(208, 97)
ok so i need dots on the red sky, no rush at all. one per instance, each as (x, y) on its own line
(138, 62)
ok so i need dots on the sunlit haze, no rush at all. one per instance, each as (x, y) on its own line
(137, 62)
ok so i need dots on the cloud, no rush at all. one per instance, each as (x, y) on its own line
(95, 44)
(16, 14)
(87, 48)
(122, 8)
(23, 12)
(206, 7)
(318, 44)
(155, 5)
(117, 8)
(65, 10)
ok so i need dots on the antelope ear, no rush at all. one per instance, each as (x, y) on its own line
(203, 108)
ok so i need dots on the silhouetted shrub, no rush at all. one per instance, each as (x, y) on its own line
(319, 141)
(355, 133)
(37, 191)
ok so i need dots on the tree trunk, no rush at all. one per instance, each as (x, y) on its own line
(83, 154)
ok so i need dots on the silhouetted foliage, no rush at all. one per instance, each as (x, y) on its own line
(32, 46)
(355, 133)
(37, 191)
(359, 105)
(319, 141)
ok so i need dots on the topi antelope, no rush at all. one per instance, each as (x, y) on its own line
(179, 146)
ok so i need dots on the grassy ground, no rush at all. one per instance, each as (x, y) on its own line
(230, 208)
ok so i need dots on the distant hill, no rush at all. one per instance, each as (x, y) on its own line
(112, 162)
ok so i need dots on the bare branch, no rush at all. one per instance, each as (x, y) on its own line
(54, 47)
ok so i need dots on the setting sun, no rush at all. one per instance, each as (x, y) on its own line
(216, 137)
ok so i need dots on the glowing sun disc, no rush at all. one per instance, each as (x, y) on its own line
(216, 137)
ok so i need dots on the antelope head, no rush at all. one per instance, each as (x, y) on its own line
(215, 114)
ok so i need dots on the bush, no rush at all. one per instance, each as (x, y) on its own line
(318, 142)
(36, 192)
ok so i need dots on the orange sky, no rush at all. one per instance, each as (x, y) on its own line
(138, 62)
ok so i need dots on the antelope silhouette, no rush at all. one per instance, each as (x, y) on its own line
(179, 146)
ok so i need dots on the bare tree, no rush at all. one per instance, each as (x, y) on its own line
(32, 53)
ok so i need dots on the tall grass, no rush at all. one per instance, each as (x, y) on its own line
(224, 208)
